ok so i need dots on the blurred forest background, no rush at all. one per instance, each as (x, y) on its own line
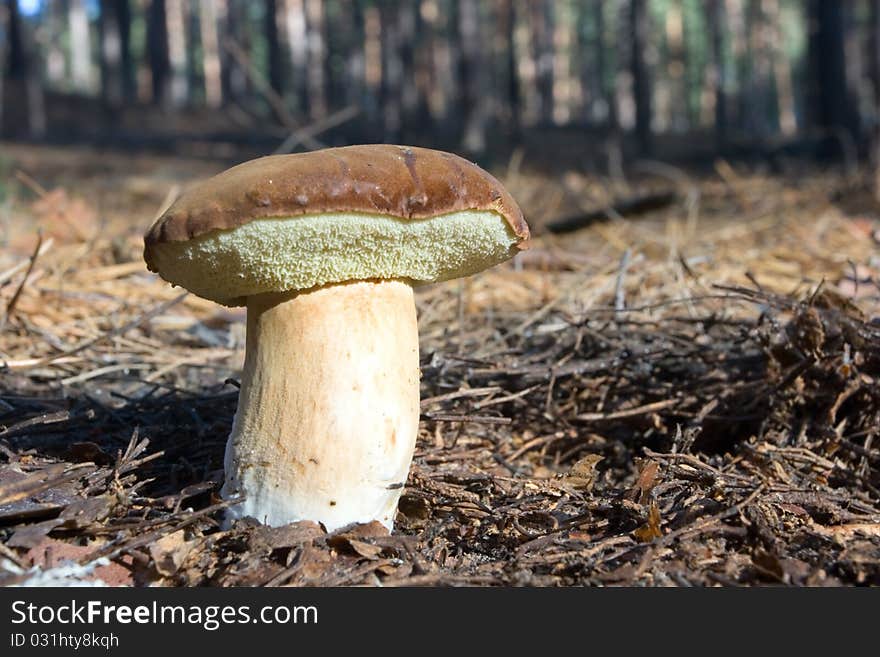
(619, 78)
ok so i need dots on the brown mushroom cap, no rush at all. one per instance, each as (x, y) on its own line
(399, 183)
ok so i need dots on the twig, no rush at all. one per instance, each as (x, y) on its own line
(630, 412)
(10, 307)
(619, 285)
(460, 394)
(309, 132)
(476, 419)
(12, 271)
(44, 479)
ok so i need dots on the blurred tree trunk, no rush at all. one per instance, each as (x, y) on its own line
(317, 54)
(117, 75)
(157, 49)
(373, 73)
(874, 71)
(829, 95)
(587, 67)
(23, 71)
(4, 39)
(781, 70)
(541, 16)
(691, 68)
(228, 65)
(110, 60)
(273, 47)
(123, 19)
(354, 59)
(759, 107)
(208, 23)
(856, 74)
(295, 37)
(675, 117)
(563, 82)
(410, 33)
(336, 36)
(80, 46)
(639, 36)
(507, 34)
(422, 71)
(234, 80)
(608, 91)
(16, 57)
(390, 87)
(55, 55)
(874, 57)
(471, 78)
(193, 39)
(715, 18)
(737, 31)
(176, 11)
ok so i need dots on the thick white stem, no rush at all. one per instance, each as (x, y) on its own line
(329, 406)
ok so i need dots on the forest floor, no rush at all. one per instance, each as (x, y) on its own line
(688, 396)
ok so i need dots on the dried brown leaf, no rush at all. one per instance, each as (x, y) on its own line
(169, 552)
(582, 475)
(651, 529)
(641, 492)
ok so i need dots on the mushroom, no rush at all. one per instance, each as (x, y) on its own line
(324, 248)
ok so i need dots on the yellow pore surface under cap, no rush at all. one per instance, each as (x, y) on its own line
(299, 253)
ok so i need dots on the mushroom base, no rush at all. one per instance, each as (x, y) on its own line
(328, 411)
